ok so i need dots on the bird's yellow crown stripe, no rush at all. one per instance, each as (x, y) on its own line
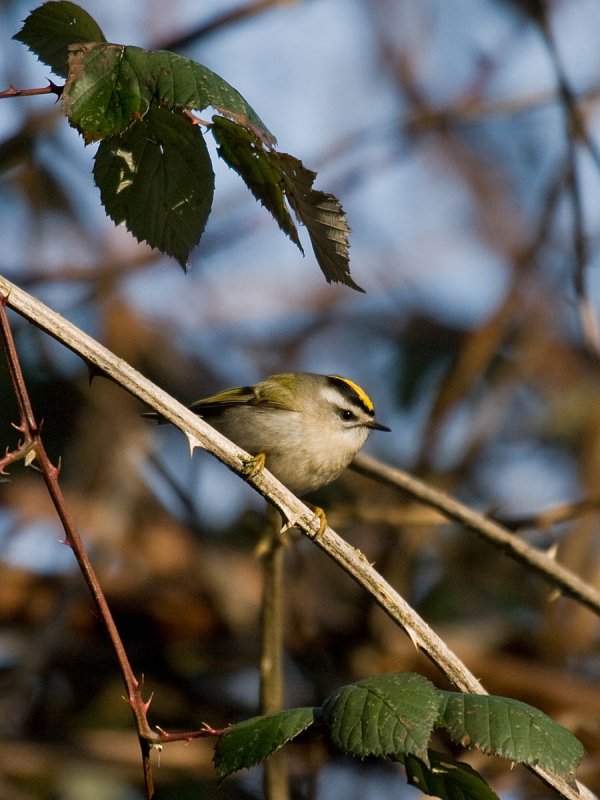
(359, 391)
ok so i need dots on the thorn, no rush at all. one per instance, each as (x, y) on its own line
(552, 551)
(146, 704)
(157, 746)
(290, 522)
(212, 731)
(55, 88)
(554, 595)
(93, 371)
(413, 637)
(193, 442)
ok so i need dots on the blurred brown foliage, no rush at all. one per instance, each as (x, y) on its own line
(497, 407)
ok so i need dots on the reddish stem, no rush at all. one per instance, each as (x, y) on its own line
(52, 88)
(32, 443)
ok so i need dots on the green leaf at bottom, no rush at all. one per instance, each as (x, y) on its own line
(446, 778)
(255, 739)
(512, 729)
(157, 179)
(389, 715)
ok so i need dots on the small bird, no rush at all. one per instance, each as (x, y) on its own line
(304, 427)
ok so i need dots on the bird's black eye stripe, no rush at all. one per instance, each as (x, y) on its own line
(352, 393)
(347, 415)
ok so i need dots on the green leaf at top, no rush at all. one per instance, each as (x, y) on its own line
(157, 180)
(50, 29)
(258, 167)
(389, 715)
(324, 218)
(274, 178)
(512, 729)
(446, 778)
(111, 85)
(253, 740)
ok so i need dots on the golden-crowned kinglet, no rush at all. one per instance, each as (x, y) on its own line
(305, 428)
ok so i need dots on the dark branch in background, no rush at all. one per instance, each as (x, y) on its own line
(272, 689)
(542, 520)
(481, 346)
(557, 575)
(576, 132)
(219, 21)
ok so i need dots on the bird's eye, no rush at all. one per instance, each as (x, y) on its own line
(347, 415)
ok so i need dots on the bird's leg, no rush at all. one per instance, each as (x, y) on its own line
(254, 466)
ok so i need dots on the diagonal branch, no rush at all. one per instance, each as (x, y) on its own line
(568, 582)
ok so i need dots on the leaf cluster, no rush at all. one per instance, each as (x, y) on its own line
(394, 716)
(152, 167)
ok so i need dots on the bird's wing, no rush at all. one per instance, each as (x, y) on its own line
(240, 395)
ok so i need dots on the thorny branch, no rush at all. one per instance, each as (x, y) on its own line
(52, 88)
(31, 448)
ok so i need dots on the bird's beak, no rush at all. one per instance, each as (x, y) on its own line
(376, 426)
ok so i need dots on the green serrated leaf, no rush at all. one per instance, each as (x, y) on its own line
(324, 218)
(259, 168)
(111, 85)
(274, 177)
(512, 729)
(53, 27)
(157, 179)
(251, 741)
(446, 778)
(389, 715)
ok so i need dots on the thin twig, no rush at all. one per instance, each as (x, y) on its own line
(52, 88)
(32, 437)
(557, 575)
(542, 520)
(221, 20)
(32, 446)
(575, 132)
